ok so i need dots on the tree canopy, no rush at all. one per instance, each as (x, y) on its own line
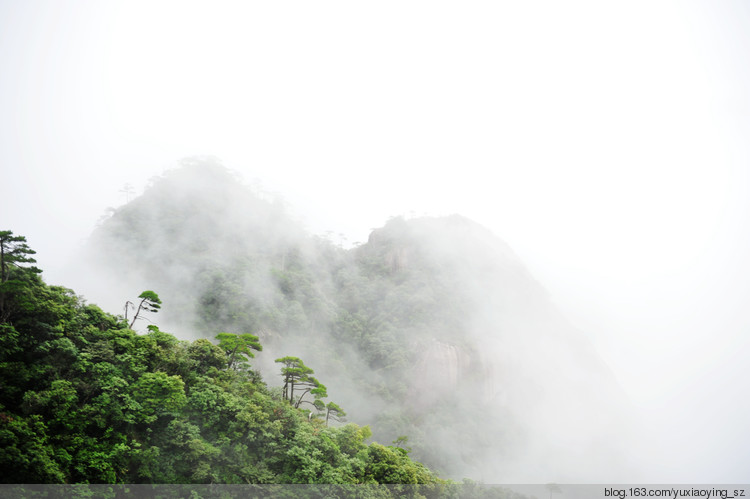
(238, 347)
(14, 251)
(85, 399)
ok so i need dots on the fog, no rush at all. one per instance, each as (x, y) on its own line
(605, 144)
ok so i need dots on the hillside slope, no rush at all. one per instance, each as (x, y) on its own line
(85, 399)
(432, 329)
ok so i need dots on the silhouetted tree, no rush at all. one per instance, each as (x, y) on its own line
(313, 387)
(128, 190)
(297, 374)
(13, 252)
(553, 488)
(150, 302)
(333, 411)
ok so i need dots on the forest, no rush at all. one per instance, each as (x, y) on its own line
(85, 399)
(293, 359)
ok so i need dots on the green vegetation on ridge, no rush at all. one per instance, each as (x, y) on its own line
(85, 399)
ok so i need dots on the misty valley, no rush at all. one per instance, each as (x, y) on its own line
(229, 345)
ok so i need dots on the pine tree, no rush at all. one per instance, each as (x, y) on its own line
(335, 412)
(238, 345)
(13, 252)
(150, 302)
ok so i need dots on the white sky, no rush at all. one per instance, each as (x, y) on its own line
(605, 142)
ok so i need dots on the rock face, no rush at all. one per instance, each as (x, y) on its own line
(485, 339)
(441, 368)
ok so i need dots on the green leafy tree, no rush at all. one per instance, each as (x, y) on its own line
(298, 376)
(205, 356)
(13, 252)
(295, 373)
(238, 347)
(26, 454)
(315, 388)
(334, 412)
(392, 465)
(158, 393)
(400, 443)
(150, 302)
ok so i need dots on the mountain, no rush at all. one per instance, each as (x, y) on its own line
(433, 329)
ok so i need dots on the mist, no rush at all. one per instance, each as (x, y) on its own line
(605, 145)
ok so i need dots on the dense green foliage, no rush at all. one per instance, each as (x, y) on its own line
(83, 398)
(13, 252)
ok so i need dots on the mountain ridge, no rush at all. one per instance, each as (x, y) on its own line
(428, 312)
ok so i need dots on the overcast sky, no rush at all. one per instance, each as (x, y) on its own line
(606, 142)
